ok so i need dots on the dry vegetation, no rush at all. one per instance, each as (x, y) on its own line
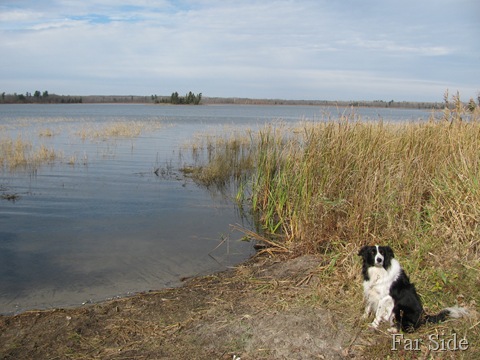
(262, 310)
(121, 129)
(354, 180)
(21, 153)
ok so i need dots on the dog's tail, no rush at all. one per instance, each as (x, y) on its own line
(451, 312)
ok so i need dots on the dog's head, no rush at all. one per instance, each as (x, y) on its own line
(379, 256)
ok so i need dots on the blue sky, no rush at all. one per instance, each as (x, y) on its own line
(312, 49)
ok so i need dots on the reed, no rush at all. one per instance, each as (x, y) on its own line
(355, 181)
(21, 153)
(13, 153)
(120, 129)
(220, 158)
(360, 181)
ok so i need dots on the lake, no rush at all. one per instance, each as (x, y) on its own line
(110, 214)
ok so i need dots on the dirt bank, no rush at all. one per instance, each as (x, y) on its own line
(266, 309)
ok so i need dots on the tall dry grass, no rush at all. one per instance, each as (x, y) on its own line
(368, 182)
(361, 181)
(355, 180)
(16, 153)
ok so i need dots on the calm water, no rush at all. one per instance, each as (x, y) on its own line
(99, 223)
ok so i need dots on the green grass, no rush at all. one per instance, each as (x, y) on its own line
(331, 187)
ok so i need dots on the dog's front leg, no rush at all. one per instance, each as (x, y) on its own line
(384, 311)
(393, 328)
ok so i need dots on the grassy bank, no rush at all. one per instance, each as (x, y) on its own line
(330, 187)
(354, 180)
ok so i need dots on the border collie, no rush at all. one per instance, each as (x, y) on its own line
(391, 296)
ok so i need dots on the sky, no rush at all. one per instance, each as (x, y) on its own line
(280, 49)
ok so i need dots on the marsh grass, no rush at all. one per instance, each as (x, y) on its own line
(331, 187)
(365, 181)
(21, 153)
(120, 129)
(220, 158)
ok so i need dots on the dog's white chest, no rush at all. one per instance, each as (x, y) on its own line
(376, 274)
(374, 289)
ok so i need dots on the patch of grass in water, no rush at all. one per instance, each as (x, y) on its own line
(219, 158)
(21, 153)
(116, 129)
(113, 130)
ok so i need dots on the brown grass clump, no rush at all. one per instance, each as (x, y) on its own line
(121, 129)
(20, 153)
(13, 152)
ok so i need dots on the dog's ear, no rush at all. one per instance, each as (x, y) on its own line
(389, 251)
(363, 251)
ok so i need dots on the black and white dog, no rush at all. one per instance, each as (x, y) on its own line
(391, 296)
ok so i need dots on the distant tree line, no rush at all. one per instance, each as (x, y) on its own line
(471, 105)
(38, 97)
(190, 98)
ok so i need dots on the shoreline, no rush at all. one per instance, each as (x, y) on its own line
(266, 308)
(211, 316)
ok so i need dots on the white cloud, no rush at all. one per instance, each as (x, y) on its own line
(389, 46)
(311, 49)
